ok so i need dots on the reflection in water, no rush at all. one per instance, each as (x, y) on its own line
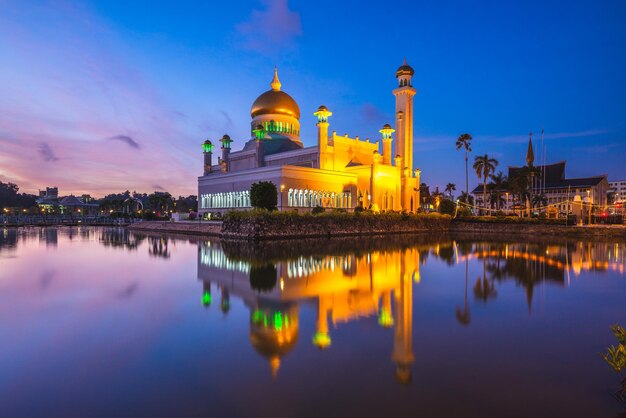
(123, 312)
(345, 288)
(350, 285)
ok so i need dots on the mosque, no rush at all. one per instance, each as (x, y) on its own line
(338, 172)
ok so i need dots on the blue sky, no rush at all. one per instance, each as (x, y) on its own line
(99, 96)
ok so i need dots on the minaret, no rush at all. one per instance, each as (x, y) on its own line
(226, 141)
(325, 160)
(404, 114)
(207, 148)
(387, 131)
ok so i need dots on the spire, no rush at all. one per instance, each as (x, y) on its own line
(275, 84)
(530, 155)
(404, 62)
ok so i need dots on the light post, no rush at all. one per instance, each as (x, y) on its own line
(282, 189)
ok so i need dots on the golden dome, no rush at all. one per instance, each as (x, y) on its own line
(275, 102)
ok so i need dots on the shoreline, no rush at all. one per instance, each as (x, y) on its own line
(255, 230)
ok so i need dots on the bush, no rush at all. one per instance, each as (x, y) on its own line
(318, 209)
(358, 209)
(263, 195)
(192, 216)
(447, 207)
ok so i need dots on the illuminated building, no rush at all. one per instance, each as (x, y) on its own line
(550, 181)
(618, 189)
(338, 172)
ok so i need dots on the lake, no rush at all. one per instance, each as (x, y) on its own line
(103, 322)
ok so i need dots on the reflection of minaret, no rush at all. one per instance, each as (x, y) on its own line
(321, 339)
(225, 300)
(206, 294)
(403, 340)
(385, 318)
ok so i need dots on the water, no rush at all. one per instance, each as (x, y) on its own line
(101, 322)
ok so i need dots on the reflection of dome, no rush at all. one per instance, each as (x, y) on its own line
(274, 333)
(275, 102)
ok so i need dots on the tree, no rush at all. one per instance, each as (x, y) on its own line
(263, 195)
(484, 166)
(500, 183)
(9, 196)
(465, 141)
(447, 207)
(468, 198)
(450, 187)
(160, 201)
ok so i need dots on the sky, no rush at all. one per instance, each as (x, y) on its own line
(105, 96)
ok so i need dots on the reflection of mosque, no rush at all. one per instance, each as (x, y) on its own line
(344, 287)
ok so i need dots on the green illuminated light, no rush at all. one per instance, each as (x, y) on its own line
(257, 316)
(278, 321)
(207, 146)
(206, 298)
(321, 339)
(385, 319)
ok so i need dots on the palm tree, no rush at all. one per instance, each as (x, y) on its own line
(500, 182)
(465, 141)
(484, 289)
(450, 187)
(484, 166)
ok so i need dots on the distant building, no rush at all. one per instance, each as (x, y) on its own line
(618, 189)
(550, 181)
(49, 201)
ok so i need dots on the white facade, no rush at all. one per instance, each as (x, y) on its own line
(618, 188)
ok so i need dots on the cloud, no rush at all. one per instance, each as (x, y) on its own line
(129, 291)
(372, 114)
(272, 29)
(229, 121)
(598, 149)
(126, 139)
(514, 139)
(46, 153)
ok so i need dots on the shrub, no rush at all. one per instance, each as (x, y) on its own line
(447, 207)
(358, 209)
(192, 216)
(318, 209)
(263, 195)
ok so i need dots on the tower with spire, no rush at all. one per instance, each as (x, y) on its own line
(530, 155)
(404, 114)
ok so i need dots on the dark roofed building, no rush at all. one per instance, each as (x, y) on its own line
(552, 182)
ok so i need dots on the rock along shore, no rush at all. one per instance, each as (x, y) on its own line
(277, 227)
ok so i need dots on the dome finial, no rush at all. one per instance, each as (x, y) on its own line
(404, 62)
(275, 84)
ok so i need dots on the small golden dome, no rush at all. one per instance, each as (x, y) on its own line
(275, 102)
